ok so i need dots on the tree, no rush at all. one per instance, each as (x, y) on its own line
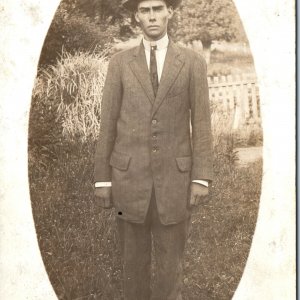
(89, 24)
(84, 25)
(206, 20)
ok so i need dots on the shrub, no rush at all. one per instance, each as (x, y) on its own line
(73, 33)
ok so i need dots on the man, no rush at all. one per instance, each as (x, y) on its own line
(147, 165)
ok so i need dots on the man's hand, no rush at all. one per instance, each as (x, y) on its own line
(199, 194)
(103, 196)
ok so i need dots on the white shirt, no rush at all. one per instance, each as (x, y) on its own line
(160, 53)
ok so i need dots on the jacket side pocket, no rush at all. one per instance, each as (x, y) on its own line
(184, 164)
(119, 161)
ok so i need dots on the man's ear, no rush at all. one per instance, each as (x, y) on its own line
(136, 17)
(170, 11)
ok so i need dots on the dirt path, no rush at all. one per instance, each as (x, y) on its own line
(248, 155)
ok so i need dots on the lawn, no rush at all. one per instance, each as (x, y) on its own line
(79, 244)
(230, 63)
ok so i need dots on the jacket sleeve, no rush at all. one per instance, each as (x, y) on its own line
(110, 110)
(201, 122)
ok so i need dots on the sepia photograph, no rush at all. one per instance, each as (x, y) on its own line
(146, 151)
(145, 146)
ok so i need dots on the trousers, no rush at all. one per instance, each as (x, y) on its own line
(167, 241)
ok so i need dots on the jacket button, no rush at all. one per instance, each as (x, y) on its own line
(154, 121)
(154, 136)
(154, 150)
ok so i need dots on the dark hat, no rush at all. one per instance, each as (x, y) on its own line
(132, 4)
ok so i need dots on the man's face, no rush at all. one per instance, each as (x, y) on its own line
(153, 17)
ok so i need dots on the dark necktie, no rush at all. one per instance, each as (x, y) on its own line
(153, 69)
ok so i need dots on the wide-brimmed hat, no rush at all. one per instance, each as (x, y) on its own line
(132, 4)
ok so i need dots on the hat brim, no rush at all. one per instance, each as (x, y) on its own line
(131, 5)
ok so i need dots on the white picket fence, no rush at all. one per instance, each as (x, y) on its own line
(237, 97)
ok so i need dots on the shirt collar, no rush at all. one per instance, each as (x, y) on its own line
(161, 44)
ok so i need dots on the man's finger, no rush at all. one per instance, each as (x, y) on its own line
(102, 202)
(107, 202)
(204, 199)
(192, 200)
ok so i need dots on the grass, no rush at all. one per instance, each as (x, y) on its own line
(221, 235)
(230, 63)
(74, 87)
(78, 239)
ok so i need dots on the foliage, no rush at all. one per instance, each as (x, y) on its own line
(79, 90)
(72, 30)
(66, 104)
(104, 10)
(45, 130)
(248, 136)
(84, 25)
(223, 140)
(206, 20)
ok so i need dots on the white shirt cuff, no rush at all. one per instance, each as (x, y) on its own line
(203, 182)
(108, 184)
(102, 184)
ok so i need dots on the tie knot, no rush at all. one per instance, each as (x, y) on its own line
(153, 47)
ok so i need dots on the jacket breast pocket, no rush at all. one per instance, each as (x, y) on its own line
(180, 87)
(120, 161)
(184, 164)
(177, 91)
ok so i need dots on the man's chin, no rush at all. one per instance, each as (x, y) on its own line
(154, 36)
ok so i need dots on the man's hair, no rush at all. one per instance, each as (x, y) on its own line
(139, 1)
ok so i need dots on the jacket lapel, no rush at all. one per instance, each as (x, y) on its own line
(172, 66)
(140, 69)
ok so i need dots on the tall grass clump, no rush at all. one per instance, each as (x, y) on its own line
(65, 108)
(225, 155)
(74, 86)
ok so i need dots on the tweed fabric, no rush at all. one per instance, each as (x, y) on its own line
(168, 242)
(145, 140)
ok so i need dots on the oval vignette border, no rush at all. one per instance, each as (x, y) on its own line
(270, 269)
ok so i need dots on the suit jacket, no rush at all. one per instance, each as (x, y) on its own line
(145, 141)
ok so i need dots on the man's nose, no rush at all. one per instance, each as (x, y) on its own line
(152, 15)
